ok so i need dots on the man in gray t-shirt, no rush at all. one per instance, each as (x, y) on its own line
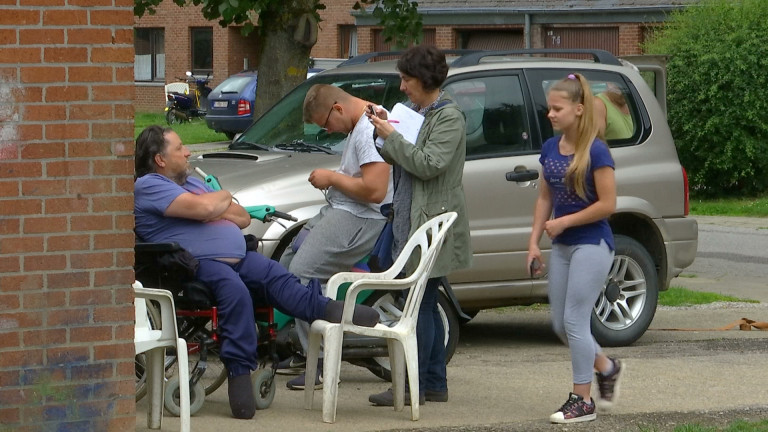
(346, 229)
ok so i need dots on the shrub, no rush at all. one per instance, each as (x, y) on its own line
(718, 94)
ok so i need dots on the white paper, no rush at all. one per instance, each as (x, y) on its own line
(408, 123)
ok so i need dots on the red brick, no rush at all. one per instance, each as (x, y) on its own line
(26, 282)
(66, 205)
(113, 166)
(15, 17)
(39, 225)
(44, 150)
(114, 351)
(8, 37)
(9, 150)
(113, 93)
(90, 112)
(29, 132)
(20, 207)
(92, 260)
(125, 332)
(41, 36)
(65, 17)
(90, 187)
(124, 259)
(26, 357)
(9, 188)
(43, 74)
(108, 278)
(113, 241)
(68, 280)
(55, 336)
(68, 242)
(90, 73)
(10, 340)
(47, 262)
(124, 36)
(110, 130)
(114, 314)
(90, 334)
(66, 131)
(125, 148)
(89, 149)
(21, 170)
(28, 94)
(123, 184)
(66, 93)
(88, 36)
(123, 74)
(67, 355)
(42, 2)
(23, 244)
(125, 222)
(90, 296)
(68, 168)
(112, 54)
(9, 225)
(65, 55)
(68, 317)
(10, 416)
(20, 55)
(115, 17)
(9, 302)
(123, 111)
(44, 300)
(22, 320)
(43, 187)
(91, 222)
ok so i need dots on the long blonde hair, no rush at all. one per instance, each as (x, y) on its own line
(577, 89)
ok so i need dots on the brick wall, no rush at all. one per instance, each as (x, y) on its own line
(66, 241)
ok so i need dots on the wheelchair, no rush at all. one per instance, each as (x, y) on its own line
(164, 266)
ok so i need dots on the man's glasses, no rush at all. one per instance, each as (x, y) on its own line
(325, 125)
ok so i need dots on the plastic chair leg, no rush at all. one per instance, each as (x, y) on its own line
(183, 359)
(310, 372)
(331, 370)
(412, 365)
(156, 384)
(397, 366)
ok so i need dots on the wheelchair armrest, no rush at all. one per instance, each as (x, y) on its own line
(143, 247)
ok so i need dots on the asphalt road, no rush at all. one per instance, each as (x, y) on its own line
(510, 372)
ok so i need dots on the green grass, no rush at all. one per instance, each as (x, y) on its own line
(736, 426)
(677, 296)
(194, 132)
(753, 207)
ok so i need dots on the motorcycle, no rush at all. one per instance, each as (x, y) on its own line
(181, 107)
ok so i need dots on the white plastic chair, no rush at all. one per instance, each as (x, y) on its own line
(154, 342)
(178, 87)
(401, 336)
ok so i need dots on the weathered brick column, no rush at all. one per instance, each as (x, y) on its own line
(66, 201)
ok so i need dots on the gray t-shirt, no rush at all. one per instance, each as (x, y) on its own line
(360, 150)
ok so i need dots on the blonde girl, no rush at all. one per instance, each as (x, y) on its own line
(576, 198)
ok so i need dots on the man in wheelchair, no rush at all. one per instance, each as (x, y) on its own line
(170, 206)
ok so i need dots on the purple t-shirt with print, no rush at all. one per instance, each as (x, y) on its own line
(153, 193)
(565, 201)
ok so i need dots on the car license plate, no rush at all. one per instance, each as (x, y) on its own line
(220, 104)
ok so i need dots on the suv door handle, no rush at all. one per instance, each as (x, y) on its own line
(521, 176)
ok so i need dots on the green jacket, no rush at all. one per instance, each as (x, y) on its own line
(436, 165)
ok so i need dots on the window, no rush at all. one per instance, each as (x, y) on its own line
(347, 41)
(202, 50)
(149, 60)
(495, 114)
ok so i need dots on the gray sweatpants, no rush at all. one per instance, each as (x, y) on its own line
(337, 239)
(576, 276)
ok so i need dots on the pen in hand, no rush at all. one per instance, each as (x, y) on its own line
(393, 121)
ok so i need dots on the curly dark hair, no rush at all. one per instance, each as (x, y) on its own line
(150, 142)
(425, 63)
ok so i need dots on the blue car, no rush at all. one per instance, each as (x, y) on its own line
(230, 104)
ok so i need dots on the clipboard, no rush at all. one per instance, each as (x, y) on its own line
(408, 123)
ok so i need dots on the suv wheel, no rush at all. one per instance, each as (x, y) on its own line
(390, 305)
(627, 304)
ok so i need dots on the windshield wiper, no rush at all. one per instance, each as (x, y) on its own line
(244, 145)
(301, 146)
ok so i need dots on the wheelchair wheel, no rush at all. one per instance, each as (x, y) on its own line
(171, 398)
(215, 373)
(264, 387)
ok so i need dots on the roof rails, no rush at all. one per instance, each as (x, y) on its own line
(365, 58)
(599, 56)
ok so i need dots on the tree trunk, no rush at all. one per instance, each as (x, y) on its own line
(282, 65)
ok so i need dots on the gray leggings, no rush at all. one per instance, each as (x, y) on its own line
(576, 276)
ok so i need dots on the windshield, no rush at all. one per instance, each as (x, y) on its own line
(234, 84)
(283, 126)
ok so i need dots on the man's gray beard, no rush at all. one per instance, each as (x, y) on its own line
(181, 178)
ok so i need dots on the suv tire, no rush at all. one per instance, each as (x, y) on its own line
(627, 303)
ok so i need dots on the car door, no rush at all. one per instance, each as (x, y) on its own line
(499, 141)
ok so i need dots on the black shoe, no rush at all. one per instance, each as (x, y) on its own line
(293, 365)
(387, 398)
(609, 386)
(574, 410)
(435, 396)
(241, 400)
(299, 383)
(364, 316)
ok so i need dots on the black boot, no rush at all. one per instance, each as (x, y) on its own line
(241, 400)
(364, 316)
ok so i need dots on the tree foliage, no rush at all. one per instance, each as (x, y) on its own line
(717, 104)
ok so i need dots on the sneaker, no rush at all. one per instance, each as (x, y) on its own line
(387, 398)
(574, 410)
(609, 386)
(293, 365)
(299, 384)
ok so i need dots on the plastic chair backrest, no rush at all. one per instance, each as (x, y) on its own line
(178, 87)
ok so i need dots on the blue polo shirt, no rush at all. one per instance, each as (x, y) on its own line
(565, 201)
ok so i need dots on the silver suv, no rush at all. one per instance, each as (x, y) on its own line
(502, 95)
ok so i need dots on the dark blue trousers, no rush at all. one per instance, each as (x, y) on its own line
(255, 280)
(429, 338)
